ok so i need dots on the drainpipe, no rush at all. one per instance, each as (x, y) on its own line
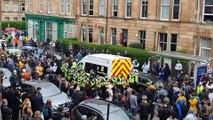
(107, 5)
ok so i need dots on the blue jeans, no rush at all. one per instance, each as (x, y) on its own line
(134, 111)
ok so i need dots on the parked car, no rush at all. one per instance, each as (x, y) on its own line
(97, 110)
(50, 91)
(6, 77)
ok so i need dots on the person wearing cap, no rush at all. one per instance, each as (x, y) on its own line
(144, 108)
(25, 75)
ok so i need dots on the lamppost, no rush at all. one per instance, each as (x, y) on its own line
(0, 20)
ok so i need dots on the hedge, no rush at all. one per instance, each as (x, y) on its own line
(141, 55)
(21, 25)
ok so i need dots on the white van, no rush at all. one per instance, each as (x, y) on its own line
(106, 65)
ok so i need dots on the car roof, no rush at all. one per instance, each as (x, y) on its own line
(38, 83)
(107, 56)
(100, 105)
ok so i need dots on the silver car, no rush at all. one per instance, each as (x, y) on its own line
(50, 91)
(97, 110)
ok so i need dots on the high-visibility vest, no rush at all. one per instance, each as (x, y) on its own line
(199, 89)
(135, 78)
(131, 79)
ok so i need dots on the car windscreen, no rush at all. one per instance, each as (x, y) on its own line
(49, 90)
(118, 115)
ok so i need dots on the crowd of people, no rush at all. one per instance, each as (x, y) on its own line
(180, 100)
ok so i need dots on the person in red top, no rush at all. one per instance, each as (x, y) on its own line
(25, 75)
(16, 41)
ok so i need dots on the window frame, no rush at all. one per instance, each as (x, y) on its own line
(83, 33)
(83, 6)
(62, 4)
(173, 43)
(102, 7)
(7, 18)
(141, 9)
(162, 42)
(23, 7)
(89, 9)
(90, 28)
(41, 6)
(15, 8)
(204, 48)
(101, 34)
(113, 35)
(142, 39)
(113, 6)
(6, 7)
(30, 6)
(173, 5)
(168, 5)
(126, 9)
(204, 6)
(49, 6)
(15, 18)
(68, 4)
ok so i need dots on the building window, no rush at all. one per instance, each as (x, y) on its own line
(176, 9)
(40, 5)
(48, 30)
(68, 7)
(102, 7)
(62, 7)
(15, 7)
(128, 8)
(7, 19)
(23, 18)
(49, 6)
(84, 7)
(15, 18)
(90, 32)
(162, 41)
(30, 5)
(69, 30)
(173, 42)
(124, 37)
(113, 36)
(115, 8)
(164, 9)
(142, 39)
(144, 8)
(101, 35)
(6, 7)
(83, 33)
(208, 11)
(205, 47)
(23, 7)
(90, 7)
(54, 31)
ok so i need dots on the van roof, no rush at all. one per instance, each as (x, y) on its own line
(106, 56)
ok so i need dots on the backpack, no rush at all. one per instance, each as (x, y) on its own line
(45, 111)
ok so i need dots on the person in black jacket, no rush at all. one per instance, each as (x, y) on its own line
(6, 111)
(144, 109)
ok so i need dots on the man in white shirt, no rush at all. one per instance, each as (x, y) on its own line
(178, 67)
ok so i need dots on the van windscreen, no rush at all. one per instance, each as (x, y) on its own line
(98, 69)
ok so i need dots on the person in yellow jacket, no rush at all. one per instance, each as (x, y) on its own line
(39, 69)
(20, 64)
(193, 101)
(181, 97)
